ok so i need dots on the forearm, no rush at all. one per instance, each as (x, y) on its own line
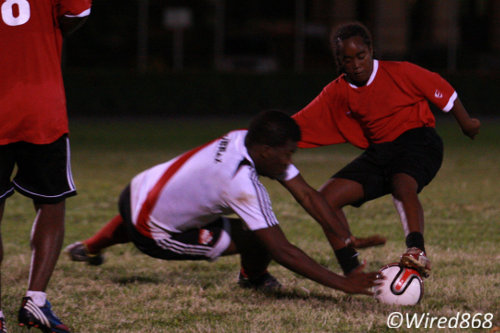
(297, 261)
(470, 126)
(460, 113)
(291, 257)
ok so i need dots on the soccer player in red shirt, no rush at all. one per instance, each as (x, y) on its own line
(33, 135)
(382, 107)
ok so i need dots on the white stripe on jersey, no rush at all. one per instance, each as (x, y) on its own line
(86, 12)
(451, 102)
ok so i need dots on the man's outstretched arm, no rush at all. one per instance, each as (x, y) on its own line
(293, 258)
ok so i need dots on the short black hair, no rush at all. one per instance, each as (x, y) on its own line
(273, 128)
(347, 31)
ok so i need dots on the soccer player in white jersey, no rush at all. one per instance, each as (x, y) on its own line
(176, 210)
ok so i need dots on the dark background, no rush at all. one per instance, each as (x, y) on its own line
(110, 70)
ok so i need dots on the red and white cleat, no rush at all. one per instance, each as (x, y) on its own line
(416, 259)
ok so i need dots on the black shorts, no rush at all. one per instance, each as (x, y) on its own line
(206, 243)
(417, 152)
(43, 171)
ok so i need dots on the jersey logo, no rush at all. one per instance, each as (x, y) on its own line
(438, 94)
(223, 143)
(205, 236)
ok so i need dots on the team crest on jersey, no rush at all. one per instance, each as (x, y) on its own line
(438, 94)
(205, 236)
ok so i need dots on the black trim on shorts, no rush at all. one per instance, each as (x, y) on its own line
(43, 171)
(417, 152)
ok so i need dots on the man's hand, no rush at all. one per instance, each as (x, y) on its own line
(471, 127)
(358, 282)
(361, 243)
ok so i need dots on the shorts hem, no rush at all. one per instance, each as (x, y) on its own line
(45, 199)
(7, 194)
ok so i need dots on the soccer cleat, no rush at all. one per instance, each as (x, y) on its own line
(79, 252)
(265, 282)
(3, 328)
(416, 259)
(31, 315)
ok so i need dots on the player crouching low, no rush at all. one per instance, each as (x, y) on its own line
(175, 210)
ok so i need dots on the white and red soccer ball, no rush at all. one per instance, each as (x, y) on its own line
(401, 286)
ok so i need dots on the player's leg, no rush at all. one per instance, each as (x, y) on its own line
(47, 235)
(90, 250)
(112, 233)
(44, 174)
(410, 209)
(254, 259)
(7, 162)
(340, 192)
(407, 202)
(46, 241)
(419, 158)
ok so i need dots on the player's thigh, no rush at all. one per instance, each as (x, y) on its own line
(421, 156)
(340, 192)
(361, 180)
(44, 171)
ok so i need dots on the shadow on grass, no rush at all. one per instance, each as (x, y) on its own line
(136, 280)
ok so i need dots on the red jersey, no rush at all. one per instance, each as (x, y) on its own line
(393, 101)
(32, 98)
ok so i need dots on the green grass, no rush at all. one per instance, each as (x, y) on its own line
(134, 293)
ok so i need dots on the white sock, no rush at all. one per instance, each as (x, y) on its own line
(1, 314)
(38, 297)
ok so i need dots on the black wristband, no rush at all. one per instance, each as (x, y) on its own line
(347, 258)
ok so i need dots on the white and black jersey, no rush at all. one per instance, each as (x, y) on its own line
(194, 189)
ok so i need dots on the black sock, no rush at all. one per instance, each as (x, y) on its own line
(347, 258)
(415, 239)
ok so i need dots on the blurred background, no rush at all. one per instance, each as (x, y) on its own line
(223, 57)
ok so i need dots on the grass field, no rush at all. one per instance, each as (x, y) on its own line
(134, 293)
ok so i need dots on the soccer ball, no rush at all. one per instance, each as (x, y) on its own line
(402, 286)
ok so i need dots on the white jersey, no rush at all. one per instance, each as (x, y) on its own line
(194, 189)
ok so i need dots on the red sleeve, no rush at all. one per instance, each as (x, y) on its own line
(430, 85)
(326, 120)
(78, 8)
